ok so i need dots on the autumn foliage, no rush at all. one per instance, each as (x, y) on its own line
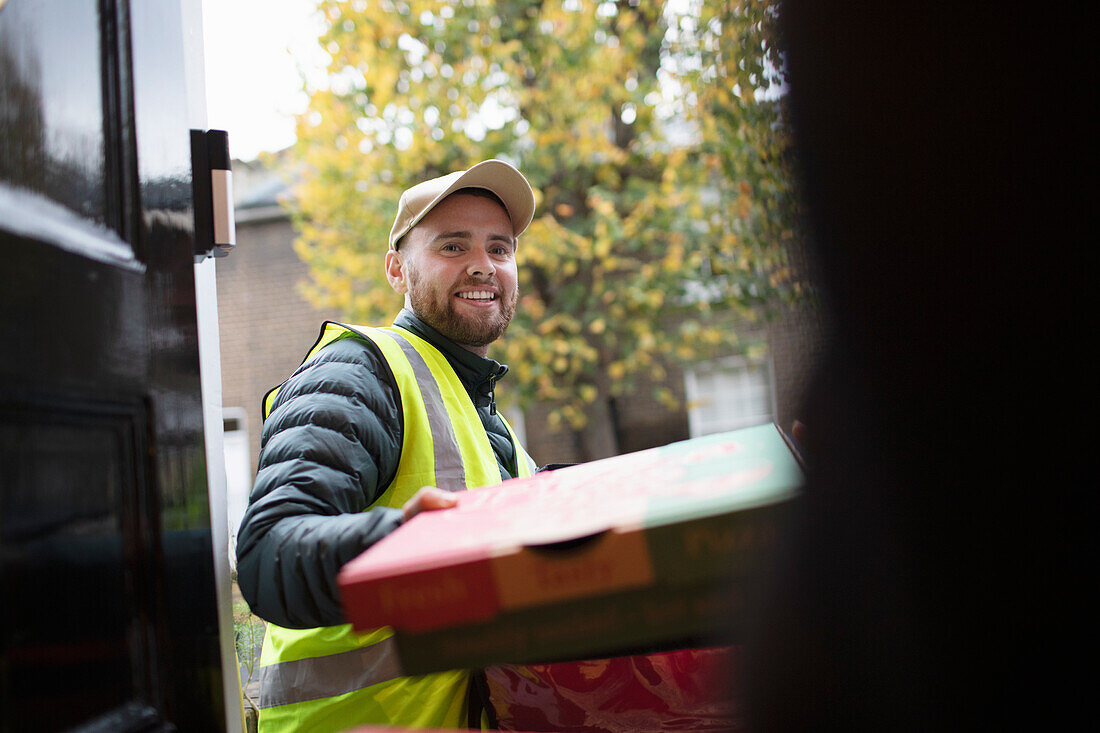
(652, 133)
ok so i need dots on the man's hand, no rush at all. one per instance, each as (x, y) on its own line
(428, 499)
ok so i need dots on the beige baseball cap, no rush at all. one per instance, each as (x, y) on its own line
(493, 175)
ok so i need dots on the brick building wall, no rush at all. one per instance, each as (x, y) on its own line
(266, 326)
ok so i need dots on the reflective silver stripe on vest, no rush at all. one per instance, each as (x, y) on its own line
(450, 474)
(316, 678)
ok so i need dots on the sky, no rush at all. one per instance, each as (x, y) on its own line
(255, 54)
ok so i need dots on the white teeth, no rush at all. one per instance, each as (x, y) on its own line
(477, 295)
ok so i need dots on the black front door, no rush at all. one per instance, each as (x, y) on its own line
(107, 602)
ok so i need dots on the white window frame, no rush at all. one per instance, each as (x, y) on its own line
(238, 473)
(699, 389)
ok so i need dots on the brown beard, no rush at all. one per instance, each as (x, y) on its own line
(443, 318)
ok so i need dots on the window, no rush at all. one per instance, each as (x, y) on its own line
(730, 393)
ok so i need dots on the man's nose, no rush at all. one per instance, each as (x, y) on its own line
(480, 264)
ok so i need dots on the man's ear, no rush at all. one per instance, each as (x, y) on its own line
(395, 272)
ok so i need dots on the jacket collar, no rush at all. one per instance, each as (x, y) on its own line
(478, 374)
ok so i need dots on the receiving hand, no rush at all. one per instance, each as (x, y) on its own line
(428, 499)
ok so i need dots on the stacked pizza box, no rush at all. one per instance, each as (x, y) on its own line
(660, 549)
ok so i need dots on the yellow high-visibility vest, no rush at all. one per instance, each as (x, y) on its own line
(332, 678)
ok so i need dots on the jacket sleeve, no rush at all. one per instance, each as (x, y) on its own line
(329, 448)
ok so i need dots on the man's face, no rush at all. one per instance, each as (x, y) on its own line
(457, 269)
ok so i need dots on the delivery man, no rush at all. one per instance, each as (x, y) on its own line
(376, 425)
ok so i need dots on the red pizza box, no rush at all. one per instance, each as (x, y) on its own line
(638, 551)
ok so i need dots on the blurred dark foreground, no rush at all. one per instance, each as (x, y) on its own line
(934, 579)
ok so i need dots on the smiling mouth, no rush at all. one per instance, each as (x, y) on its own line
(483, 296)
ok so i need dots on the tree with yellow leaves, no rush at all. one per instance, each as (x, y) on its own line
(647, 132)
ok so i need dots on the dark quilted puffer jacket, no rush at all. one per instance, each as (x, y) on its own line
(329, 449)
